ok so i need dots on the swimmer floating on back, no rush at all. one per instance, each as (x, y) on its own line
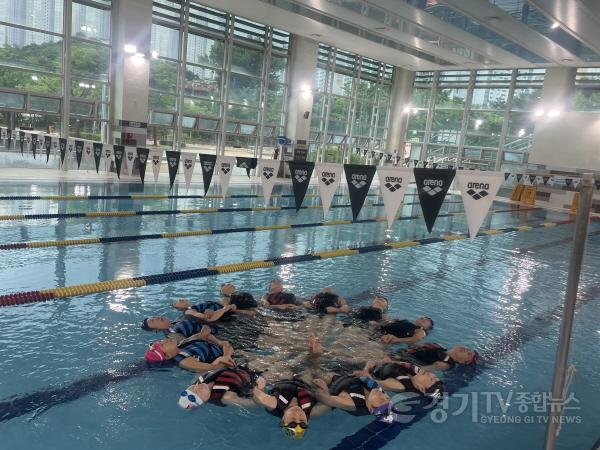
(404, 331)
(177, 330)
(435, 357)
(328, 302)
(276, 298)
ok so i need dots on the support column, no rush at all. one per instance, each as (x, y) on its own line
(402, 89)
(132, 25)
(557, 91)
(302, 65)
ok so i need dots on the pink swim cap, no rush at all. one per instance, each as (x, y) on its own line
(154, 353)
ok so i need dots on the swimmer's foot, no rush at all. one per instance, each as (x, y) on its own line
(314, 345)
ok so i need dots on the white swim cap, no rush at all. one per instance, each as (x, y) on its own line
(189, 400)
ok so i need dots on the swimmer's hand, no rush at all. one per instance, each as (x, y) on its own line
(387, 359)
(261, 383)
(231, 308)
(388, 339)
(320, 384)
(182, 304)
(225, 360)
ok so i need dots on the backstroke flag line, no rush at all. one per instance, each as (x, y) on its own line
(142, 154)
(225, 165)
(432, 187)
(207, 163)
(359, 180)
(267, 169)
(393, 182)
(478, 189)
(188, 161)
(155, 156)
(329, 177)
(301, 172)
(173, 165)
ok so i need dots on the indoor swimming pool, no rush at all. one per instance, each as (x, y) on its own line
(499, 294)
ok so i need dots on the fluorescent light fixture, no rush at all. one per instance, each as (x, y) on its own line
(305, 87)
(554, 112)
(539, 112)
(139, 55)
(130, 48)
(555, 25)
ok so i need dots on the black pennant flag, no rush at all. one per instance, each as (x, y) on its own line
(97, 155)
(246, 163)
(434, 165)
(416, 161)
(432, 187)
(173, 164)
(532, 178)
(545, 178)
(21, 140)
(9, 137)
(47, 146)
(207, 162)
(598, 184)
(62, 145)
(142, 154)
(78, 152)
(388, 158)
(359, 180)
(34, 143)
(519, 177)
(301, 172)
(506, 175)
(568, 182)
(118, 151)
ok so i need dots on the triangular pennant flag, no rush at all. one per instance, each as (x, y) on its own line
(142, 154)
(545, 178)
(21, 140)
(393, 182)
(416, 162)
(156, 158)
(434, 165)
(568, 182)
(47, 147)
(506, 175)
(246, 163)
(3, 134)
(78, 152)
(388, 158)
(88, 151)
(519, 177)
(301, 172)
(365, 152)
(268, 169)
(532, 178)
(576, 182)
(207, 162)
(539, 179)
(329, 177)
(188, 160)
(597, 182)
(432, 187)
(130, 154)
(224, 168)
(359, 180)
(70, 146)
(425, 164)
(62, 145)
(97, 155)
(34, 144)
(478, 189)
(107, 153)
(119, 152)
(173, 165)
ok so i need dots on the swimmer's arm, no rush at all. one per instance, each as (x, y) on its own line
(391, 384)
(438, 365)
(213, 316)
(262, 399)
(196, 314)
(192, 364)
(319, 410)
(246, 312)
(335, 401)
(231, 398)
(391, 339)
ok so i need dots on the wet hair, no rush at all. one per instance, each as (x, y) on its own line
(324, 300)
(243, 300)
(369, 314)
(281, 298)
(145, 325)
(430, 320)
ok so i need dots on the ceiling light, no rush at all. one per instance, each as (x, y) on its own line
(154, 54)
(539, 113)
(130, 48)
(305, 87)
(553, 112)
(555, 25)
(139, 55)
(406, 109)
(566, 60)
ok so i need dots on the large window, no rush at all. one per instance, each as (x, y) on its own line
(33, 94)
(479, 119)
(587, 90)
(233, 89)
(350, 105)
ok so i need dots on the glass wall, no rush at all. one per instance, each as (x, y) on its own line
(33, 44)
(351, 104)
(587, 90)
(232, 95)
(479, 119)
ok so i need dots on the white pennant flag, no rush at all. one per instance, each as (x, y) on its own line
(393, 182)
(576, 182)
(478, 189)
(55, 147)
(107, 154)
(130, 154)
(329, 177)
(268, 169)
(188, 161)
(225, 165)
(88, 151)
(156, 159)
(539, 180)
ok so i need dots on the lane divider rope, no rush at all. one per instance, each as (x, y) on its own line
(21, 298)
(102, 214)
(179, 234)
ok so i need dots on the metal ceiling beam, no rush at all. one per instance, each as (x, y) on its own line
(506, 25)
(580, 19)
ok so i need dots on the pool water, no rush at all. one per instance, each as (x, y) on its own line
(487, 293)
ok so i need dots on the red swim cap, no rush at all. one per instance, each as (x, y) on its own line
(154, 354)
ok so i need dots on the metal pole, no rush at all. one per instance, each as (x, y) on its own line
(562, 356)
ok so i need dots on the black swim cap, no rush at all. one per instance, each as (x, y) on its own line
(436, 390)
(145, 325)
(369, 313)
(243, 300)
(323, 300)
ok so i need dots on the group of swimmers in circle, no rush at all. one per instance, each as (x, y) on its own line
(315, 379)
